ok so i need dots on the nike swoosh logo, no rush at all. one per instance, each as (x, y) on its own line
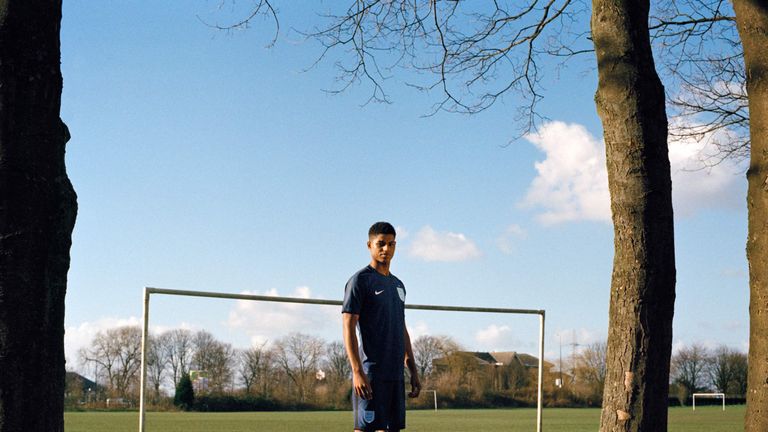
(378, 292)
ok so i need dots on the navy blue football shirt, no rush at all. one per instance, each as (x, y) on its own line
(380, 302)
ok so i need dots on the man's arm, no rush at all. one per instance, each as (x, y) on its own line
(410, 363)
(359, 381)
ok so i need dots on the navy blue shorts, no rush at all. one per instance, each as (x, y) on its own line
(386, 411)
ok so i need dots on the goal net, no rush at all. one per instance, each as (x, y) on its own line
(492, 372)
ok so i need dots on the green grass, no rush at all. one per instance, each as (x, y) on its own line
(706, 419)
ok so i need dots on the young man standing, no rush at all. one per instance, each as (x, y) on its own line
(374, 304)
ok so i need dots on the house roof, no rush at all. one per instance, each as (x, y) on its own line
(505, 358)
(530, 361)
(85, 382)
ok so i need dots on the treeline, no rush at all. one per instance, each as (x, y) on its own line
(297, 370)
(696, 369)
(301, 371)
(693, 369)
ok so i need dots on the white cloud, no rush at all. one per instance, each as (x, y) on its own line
(266, 321)
(734, 272)
(420, 328)
(497, 338)
(506, 241)
(431, 245)
(707, 344)
(572, 180)
(81, 335)
(579, 336)
(402, 233)
(677, 346)
(697, 186)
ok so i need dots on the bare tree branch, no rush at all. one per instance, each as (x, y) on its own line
(698, 46)
(261, 8)
(472, 53)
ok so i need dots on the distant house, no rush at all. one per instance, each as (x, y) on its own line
(79, 389)
(507, 358)
(503, 370)
(492, 359)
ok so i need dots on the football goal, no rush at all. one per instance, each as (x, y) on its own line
(708, 395)
(148, 291)
(434, 395)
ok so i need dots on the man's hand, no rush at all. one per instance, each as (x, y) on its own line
(361, 385)
(415, 386)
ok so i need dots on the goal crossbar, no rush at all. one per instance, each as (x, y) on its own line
(209, 294)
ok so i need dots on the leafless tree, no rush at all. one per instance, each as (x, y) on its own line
(476, 51)
(590, 367)
(720, 371)
(268, 372)
(178, 348)
(116, 353)
(689, 368)
(703, 64)
(336, 362)
(739, 367)
(252, 365)
(157, 362)
(426, 349)
(215, 357)
(728, 371)
(299, 357)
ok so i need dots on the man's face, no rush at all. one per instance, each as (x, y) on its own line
(382, 247)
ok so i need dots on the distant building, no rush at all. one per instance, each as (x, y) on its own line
(200, 381)
(493, 359)
(80, 390)
(500, 371)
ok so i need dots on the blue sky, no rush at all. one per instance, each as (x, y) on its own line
(204, 161)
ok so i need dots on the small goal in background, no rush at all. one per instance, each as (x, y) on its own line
(708, 395)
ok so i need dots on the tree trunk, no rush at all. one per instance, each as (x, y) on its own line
(630, 102)
(752, 22)
(37, 215)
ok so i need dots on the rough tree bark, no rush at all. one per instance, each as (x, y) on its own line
(630, 102)
(752, 23)
(37, 215)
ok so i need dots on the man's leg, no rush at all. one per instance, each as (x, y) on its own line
(391, 405)
(371, 414)
(397, 415)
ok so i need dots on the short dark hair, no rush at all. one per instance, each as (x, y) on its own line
(381, 228)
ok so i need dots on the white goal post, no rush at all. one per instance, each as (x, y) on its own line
(434, 393)
(145, 331)
(708, 395)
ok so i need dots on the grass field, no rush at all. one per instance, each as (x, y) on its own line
(706, 419)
